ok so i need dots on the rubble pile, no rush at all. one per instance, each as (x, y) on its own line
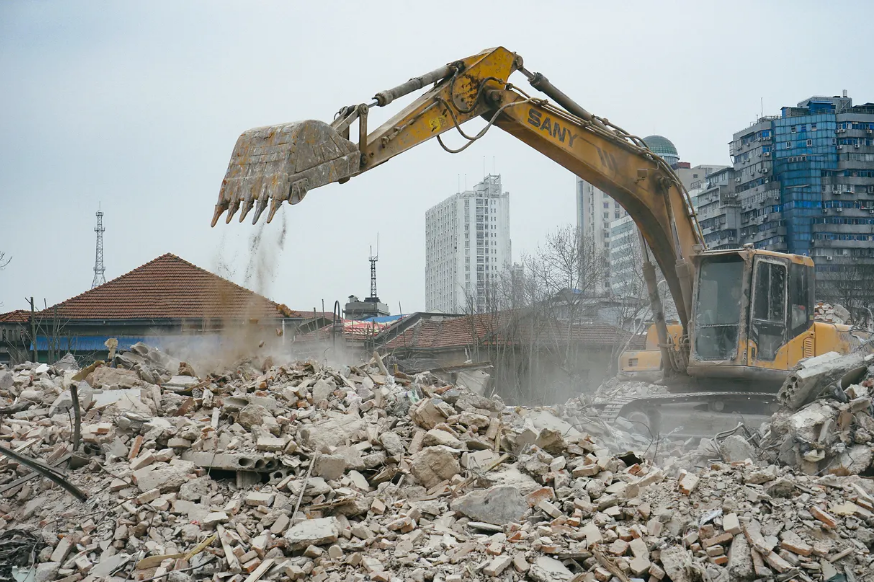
(827, 424)
(746, 521)
(829, 313)
(300, 471)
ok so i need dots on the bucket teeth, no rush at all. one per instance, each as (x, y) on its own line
(248, 203)
(274, 206)
(272, 164)
(219, 210)
(232, 210)
(259, 208)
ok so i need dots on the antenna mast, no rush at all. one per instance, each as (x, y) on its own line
(99, 278)
(373, 259)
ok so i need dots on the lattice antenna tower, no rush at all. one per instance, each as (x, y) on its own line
(99, 270)
(373, 259)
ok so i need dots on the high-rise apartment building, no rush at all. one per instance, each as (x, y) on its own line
(692, 177)
(595, 211)
(802, 182)
(467, 247)
(625, 274)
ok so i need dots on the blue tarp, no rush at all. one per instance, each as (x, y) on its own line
(96, 343)
(385, 318)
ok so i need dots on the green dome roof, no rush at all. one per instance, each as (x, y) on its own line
(661, 146)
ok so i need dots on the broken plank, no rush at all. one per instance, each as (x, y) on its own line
(260, 570)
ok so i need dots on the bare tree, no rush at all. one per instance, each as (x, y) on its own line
(569, 273)
(528, 319)
(854, 290)
(54, 327)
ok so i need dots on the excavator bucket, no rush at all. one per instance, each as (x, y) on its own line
(283, 162)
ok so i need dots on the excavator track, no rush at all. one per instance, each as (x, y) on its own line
(689, 414)
(612, 411)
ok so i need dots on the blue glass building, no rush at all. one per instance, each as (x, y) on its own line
(803, 182)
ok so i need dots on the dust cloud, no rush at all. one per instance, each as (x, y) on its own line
(235, 324)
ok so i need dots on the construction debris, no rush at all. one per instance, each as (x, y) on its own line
(827, 424)
(831, 313)
(303, 472)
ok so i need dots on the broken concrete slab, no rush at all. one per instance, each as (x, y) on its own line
(674, 562)
(736, 449)
(546, 569)
(329, 466)
(228, 461)
(813, 375)
(312, 532)
(333, 432)
(497, 505)
(163, 476)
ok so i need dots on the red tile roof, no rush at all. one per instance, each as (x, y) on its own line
(170, 288)
(487, 328)
(17, 316)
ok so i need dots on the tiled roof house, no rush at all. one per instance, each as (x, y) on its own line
(162, 299)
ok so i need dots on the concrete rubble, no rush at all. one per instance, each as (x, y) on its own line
(829, 313)
(303, 472)
(826, 425)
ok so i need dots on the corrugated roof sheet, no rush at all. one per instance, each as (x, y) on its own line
(352, 329)
(96, 343)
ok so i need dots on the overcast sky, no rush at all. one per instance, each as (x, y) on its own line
(135, 106)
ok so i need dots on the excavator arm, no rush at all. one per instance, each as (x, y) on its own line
(274, 164)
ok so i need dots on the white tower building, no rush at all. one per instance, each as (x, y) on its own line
(467, 247)
(595, 211)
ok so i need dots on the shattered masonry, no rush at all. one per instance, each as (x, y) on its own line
(405, 478)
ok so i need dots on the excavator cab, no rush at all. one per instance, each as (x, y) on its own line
(752, 319)
(752, 314)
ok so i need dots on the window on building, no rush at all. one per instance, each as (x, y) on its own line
(606, 205)
(792, 129)
(788, 145)
(809, 142)
(812, 127)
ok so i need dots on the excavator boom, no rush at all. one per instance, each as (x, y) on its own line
(271, 165)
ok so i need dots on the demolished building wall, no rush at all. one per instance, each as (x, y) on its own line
(532, 364)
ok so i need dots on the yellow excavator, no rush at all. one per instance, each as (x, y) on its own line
(746, 315)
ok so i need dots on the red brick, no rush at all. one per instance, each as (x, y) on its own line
(135, 448)
(824, 517)
(720, 539)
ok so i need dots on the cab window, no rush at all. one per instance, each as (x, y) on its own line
(768, 321)
(800, 298)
